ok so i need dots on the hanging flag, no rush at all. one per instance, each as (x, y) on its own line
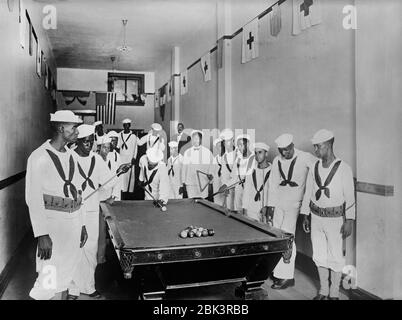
(22, 23)
(206, 66)
(39, 60)
(250, 41)
(219, 53)
(156, 104)
(306, 13)
(106, 107)
(275, 20)
(183, 83)
(169, 90)
(162, 95)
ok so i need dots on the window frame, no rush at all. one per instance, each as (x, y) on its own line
(140, 78)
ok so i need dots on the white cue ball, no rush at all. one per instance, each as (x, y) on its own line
(163, 209)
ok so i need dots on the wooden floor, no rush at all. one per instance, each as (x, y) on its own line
(24, 277)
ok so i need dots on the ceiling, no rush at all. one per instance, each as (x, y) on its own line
(89, 31)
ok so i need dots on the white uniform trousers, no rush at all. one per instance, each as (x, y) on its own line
(128, 183)
(84, 281)
(238, 197)
(174, 192)
(56, 274)
(193, 191)
(286, 220)
(327, 242)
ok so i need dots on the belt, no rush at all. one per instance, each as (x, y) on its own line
(60, 204)
(331, 212)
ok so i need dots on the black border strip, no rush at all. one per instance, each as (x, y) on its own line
(11, 180)
(377, 189)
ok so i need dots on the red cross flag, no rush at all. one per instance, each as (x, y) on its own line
(250, 41)
(183, 83)
(206, 66)
(306, 13)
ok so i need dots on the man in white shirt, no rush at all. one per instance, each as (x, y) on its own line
(52, 194)
(287, 185)
(219, 150)
(228, 160)
(128, 145)
(154, 175)
(174, 166)
(244, 165)
(330, 198)
(256, 186)
(197, 159)
(182, 138)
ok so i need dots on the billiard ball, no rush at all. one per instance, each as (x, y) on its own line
(211, 232)
(205, 233)
(184, 234)
(198, 234)
(191, 234)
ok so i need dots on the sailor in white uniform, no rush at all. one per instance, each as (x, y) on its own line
(286, 190)
(128, 146)
(175, 166)
(330, 198)
(256, 186)
(154, 175)
(53, 198)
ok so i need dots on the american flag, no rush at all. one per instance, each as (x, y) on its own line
(106, 107)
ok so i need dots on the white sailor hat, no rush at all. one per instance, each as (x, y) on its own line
(156, 127)
(243, 136)
(260, 145)
(284, 140)
(97, 123)
(226, 134)
(85, 130)
(322, 136)
(154, 155)
(126, 121)
(104, 139)
(217, 140)
(112, 134)
(196, 131)
(173, 144)
(65, 116)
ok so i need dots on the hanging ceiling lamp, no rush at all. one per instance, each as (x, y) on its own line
(124, 47)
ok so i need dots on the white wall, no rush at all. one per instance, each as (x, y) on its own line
(25, 105)
(96, 80)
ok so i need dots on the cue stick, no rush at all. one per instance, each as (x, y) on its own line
(96, 190)
(226, 189)
(163, 208)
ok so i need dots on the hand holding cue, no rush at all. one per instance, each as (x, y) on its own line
(118, 173)
(163, 208)
(226, 189)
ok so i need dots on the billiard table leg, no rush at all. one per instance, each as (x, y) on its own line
(251, 291)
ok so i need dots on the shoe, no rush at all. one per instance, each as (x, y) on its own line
(71, 297)
(283, 284)
(320, 297)
(333, 298)
(95, 295)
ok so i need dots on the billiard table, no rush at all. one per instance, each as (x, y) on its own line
(150, 250)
